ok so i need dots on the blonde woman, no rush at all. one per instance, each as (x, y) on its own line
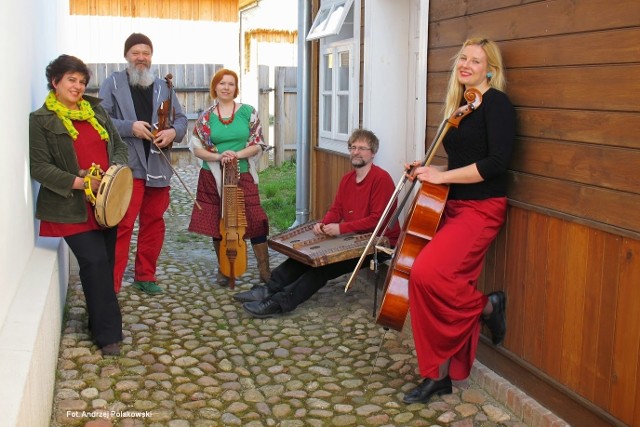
(446, 307)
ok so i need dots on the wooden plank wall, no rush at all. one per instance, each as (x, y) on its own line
(568, 257)
(190, 81)
(332, 168)
(188, 10)
(285, 113)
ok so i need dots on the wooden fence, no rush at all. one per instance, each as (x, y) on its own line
(285, 110)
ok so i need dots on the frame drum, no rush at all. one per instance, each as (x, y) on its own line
(113, 196)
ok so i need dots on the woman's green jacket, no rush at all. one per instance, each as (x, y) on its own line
(53, 163)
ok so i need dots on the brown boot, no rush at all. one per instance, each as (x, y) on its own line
(221, 279)
(262, 256)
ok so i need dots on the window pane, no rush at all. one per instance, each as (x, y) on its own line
(321, 20)
(343, 71)
(330, 19)
(336, 16)
(326, 113)
(328, 71)
(343, 114)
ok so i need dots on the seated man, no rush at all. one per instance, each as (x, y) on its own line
(361, 199)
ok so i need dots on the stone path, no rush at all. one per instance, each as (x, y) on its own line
(193, 357)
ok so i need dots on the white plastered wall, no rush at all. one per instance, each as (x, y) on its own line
(395, 73)
(33, 272)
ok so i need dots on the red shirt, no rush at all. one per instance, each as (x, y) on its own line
(358, 206)
(89, 149)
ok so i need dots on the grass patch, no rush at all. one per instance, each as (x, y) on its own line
(278, 195)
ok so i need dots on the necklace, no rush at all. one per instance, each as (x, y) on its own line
(230, 119)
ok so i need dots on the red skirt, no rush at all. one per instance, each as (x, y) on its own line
(207, 220)
(444, 302)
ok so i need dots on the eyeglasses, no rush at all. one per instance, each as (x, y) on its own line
(353, 148)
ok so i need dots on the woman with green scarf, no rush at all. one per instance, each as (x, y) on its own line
(67, 135)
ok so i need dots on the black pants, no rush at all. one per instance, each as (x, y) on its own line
(294, 282)
(95, 251)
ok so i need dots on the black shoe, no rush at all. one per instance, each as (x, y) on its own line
(262, 309)
(257, 293)
(111, 350)
(497, 321)
(427, 388)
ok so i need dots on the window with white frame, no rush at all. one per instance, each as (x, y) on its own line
(330, 18)
(338, 78)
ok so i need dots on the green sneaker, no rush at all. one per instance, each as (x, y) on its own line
(150, 288)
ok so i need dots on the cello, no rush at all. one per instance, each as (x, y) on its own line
(233, 223)
(420, 225)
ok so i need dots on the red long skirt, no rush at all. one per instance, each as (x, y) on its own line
(444, 302)
(207, 220)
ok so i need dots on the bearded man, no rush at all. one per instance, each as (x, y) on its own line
(132, 97)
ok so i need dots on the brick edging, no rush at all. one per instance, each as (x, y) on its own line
(522, 405)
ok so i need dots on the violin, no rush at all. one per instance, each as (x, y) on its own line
(166, 117)
(166, 110)
(233, 223)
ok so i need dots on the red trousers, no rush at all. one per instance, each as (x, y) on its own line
(444, 302)
(148, 205)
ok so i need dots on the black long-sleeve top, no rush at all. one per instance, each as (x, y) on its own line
(484, 137)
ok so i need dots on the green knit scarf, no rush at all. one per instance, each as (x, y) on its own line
(66, 115)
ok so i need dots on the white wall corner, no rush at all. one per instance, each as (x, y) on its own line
(30, 337)
(385, 92)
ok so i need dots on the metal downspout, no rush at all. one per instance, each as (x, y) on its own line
(303, 145)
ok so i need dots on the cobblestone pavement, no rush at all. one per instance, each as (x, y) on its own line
(193, 357)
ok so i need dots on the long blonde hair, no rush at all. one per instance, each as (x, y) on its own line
(455, 90)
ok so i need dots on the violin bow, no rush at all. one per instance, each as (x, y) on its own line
(170, 118)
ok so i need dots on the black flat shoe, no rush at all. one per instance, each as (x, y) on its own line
(257, 293)
(427, 388)
(497, 321)
(111, 350)
(262, 309)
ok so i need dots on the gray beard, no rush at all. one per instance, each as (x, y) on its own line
(144, 78)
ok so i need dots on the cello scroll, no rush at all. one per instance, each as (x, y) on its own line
(474, 99)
